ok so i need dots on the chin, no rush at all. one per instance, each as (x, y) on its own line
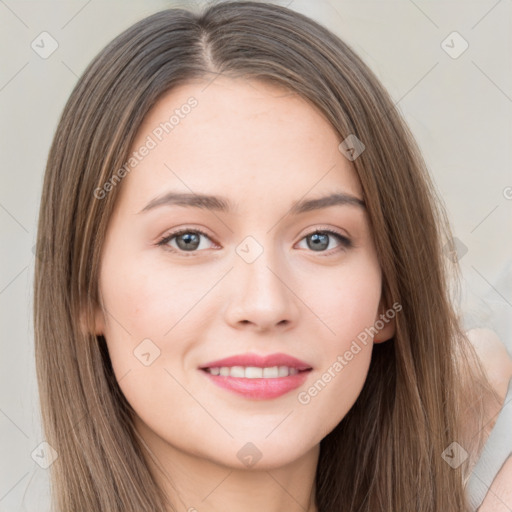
(262, 455)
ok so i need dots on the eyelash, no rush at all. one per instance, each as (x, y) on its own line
(344, 241)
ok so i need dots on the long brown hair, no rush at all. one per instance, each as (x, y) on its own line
(386, 454)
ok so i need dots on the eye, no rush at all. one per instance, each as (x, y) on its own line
(189, 241)
(186, 240)
(320, 241)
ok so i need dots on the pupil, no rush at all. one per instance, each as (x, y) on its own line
(319, 240)
(191, 241)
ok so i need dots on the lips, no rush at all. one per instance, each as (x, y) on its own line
(258, 361)
(257, 377)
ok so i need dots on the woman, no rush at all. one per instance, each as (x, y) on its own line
(241, 301)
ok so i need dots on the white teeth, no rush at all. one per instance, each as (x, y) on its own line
(283, 371)
(271, 373)
(236, 371)
(253, 372)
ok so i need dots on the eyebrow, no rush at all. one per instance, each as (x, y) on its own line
(222, 204)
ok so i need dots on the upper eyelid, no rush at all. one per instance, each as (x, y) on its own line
(174, 234)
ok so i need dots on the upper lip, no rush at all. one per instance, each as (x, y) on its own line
(259, 361)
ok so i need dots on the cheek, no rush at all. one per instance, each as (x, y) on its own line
(347, 300)
(142, 304)
(146, 297)
(146, 332)
(348, 304)
(155, 315)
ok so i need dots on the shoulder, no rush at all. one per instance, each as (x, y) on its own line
(497, 364)
(499, 496)
(494, 357)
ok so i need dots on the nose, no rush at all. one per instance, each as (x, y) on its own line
(261, 295)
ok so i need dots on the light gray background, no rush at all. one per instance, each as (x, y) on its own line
(459, 109)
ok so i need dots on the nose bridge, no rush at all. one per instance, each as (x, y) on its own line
(257, 264)
(261, 296)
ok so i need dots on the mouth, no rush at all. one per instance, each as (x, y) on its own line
(254, 372)
(258, 377)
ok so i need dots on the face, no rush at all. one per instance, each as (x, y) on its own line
(280, 287)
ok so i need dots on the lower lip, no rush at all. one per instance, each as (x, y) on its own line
(259, 389)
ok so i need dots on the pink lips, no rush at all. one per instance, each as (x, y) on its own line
(259, 361)
(259, 388)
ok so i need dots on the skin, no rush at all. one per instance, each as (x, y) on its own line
(262, 148)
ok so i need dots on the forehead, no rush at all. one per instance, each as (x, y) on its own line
(235, 136)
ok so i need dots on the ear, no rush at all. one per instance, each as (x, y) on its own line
(385, 322)
(98, 328)
(99, 321)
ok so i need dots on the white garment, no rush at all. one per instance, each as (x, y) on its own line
(496, 451)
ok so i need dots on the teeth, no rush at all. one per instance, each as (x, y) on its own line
(271, 373)
(283, 371)
(253, 372)
(236, 371)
